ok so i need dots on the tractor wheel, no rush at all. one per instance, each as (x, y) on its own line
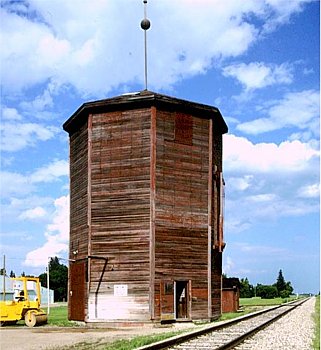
(30, 319)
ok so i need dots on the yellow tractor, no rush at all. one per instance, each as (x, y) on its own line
(23, 302)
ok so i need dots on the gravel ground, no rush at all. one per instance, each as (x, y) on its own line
(294, 331)
(16, 338)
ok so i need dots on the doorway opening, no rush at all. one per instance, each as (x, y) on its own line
(181, 300)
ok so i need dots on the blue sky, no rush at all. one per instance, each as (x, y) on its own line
(256, 60)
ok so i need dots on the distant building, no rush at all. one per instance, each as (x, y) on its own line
(9, 291)
(230, 295)
(146, 210)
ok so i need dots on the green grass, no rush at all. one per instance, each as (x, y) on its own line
(257, 301)
(249, 305)
(316, 317)
(230, 315)
(122, 344)
(58, 316)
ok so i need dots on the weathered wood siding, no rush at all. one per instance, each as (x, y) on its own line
(120, 214)
(181, 225)
(78, 203)
(216, 256)
(145, 204)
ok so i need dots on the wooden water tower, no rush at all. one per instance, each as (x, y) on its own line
(146, 210)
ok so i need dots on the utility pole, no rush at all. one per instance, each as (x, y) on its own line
(4, 277)
(48, 290)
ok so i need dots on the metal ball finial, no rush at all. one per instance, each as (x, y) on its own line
(145, 24)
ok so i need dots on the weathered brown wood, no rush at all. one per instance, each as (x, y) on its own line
(78, 213)
(144, 196)
(209, 220)
(152, 209)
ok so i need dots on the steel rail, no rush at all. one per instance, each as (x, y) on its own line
(186, 337)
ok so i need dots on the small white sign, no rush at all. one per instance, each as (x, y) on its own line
(120, 290)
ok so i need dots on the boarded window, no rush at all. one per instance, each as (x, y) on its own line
(184, 129)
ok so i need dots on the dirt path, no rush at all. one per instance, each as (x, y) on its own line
(16, 338)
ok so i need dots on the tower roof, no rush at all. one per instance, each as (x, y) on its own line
(144, 99)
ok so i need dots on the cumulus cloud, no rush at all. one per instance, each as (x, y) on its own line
(32, 214)
(15, 184)
(80, 45)
(10, 114)
(16, 136)
(289, 156)
(56, 235)
(261, 178)
(240, 183)
(51, 172)
(228, 265)
(257, 75)
(296, 109)
(310, 191)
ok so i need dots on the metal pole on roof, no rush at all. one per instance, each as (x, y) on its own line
(145, 25)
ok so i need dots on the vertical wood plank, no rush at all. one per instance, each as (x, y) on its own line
(89, 189)
(152, 209)
(210, 204)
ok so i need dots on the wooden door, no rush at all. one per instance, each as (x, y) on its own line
(167, 300)
(182, 299)
(77, 291)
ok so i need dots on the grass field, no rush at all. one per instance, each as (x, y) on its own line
(316, 340)
(263, 302)
(58, 316)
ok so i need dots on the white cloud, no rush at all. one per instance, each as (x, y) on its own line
(288, 156)
(264, 197)
(259, 249)
(264, 181)
(296, 109)
(14, 184)
(56, 235)
(310, 191)
(34, 213)
(10, 114)
(240, 183)
(79, 45)
(17, 136)
(257, 75)
(51, 172)
(282, 11)
(228, 265)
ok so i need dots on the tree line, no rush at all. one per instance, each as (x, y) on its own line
(280, 288)
(58, 278)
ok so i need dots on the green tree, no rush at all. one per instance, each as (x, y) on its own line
(266, 291)
(58, 279)
(284, 288)
(280, 282)
(12, 274)
(246, 289)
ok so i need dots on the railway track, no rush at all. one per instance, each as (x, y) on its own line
(227, 335)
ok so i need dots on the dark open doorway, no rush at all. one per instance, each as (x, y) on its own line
(181, 299)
